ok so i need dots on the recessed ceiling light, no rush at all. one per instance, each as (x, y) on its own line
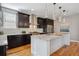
(32, 9)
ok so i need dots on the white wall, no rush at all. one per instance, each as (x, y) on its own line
(60, 24)
(74, 26)
(73, 22)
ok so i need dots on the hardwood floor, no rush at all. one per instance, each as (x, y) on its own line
(72, 50)
(20, 51)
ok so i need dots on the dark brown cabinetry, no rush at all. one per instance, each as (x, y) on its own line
(23, 20)
(18, 40)
(44, 22)
(40, 22)
(3, 50)
(51, 23)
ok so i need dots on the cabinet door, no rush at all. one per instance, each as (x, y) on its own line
(9, 20)
(40, 22)
(18, 40)
(3, 50)
(11, 41)
(26, 39)
(14, 41)
(50, 22)
(1, 16)
(23, 20)
(50, 25)
(45, 25)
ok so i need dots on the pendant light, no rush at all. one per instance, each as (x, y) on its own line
(46, 11)
(64, 14)
(60, 14)
(54, 14)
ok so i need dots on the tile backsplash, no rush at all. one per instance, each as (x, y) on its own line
(17, 30)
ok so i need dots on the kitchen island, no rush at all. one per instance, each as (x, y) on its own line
(46, 44)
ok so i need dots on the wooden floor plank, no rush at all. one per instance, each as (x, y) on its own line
(72, 50)
(20, 51)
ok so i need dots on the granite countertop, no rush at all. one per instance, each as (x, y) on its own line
(46, 37)
(50, 36)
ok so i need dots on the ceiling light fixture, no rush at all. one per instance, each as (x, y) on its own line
(46, 11)
(64, 14)
(60, 14)
(54, 14)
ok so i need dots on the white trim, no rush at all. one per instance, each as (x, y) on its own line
(74, 41)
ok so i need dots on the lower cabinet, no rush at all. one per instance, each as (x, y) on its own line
(26, 39)
(3, 50)
(18, 40)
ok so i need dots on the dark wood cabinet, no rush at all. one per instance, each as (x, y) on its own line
(45, 25)
(40, 22)
(23, 20)
(3, 50)
(26, 39)
(18, 40)
(43, 22)
(51, 22)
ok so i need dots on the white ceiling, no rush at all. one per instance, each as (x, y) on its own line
(40, 9)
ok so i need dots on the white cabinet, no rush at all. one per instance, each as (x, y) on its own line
(67, 39)
(39, 47)
(9, 18)
(44, 45)
(1, 17)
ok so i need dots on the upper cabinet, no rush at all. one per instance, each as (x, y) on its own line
(50, 25)
(50, 22)
(41, 22)
(1, 16)
(14, 19)
(9, 18)
(46, 24)
(23, 20)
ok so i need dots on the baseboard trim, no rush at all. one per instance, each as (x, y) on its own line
(74, 41)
